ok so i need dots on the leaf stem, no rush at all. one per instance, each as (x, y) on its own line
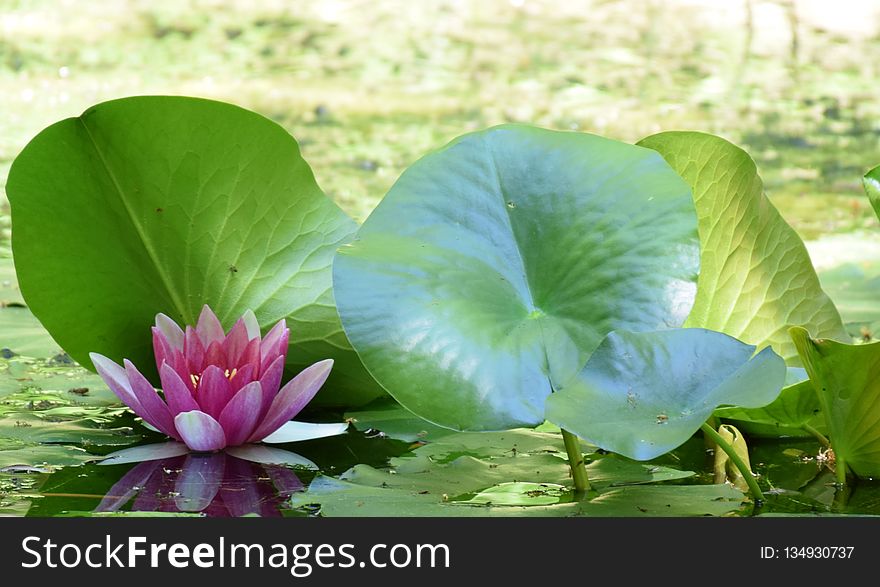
(840, 470)
(576, 462)
(746, 473)
(823, 440)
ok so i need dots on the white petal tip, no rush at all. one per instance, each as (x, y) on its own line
(298, 431)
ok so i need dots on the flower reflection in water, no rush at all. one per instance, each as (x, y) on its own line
(216, 484)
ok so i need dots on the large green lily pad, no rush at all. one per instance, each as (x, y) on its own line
(496, 265)
(162, 204)
(756, 279)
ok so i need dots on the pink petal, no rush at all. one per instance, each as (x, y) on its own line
(293, 397)
(270, 381)
(250, 356)
(170, 330)
(117, 380)
(166, 353)
(209, 328)
(177, 394)
(241, 378)
(215, 356)
(274, 344)
(155, 410)
(234, 344)
(214, 391)
(250, 322)
(200, 431)
(241, 414)
(194, 351)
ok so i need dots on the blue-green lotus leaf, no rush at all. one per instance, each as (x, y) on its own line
(496, 265)
(644, 394)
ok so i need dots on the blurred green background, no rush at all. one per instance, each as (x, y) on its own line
(367, 87)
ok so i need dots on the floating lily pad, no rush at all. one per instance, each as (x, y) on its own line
(31, 427)
(520, 494)
(463, 475)
(644, 394)
(395, 421)
(341, 498)
(454, 467)
(492, 444)
(61, 385)
(44, 457)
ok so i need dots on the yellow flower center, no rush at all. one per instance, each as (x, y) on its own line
(228, 374)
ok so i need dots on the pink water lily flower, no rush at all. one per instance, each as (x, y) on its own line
(220, 389)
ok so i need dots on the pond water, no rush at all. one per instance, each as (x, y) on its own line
(367, 472)
(211, 484)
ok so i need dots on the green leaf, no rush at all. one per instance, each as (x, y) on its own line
(521, 494)
(44, 456)
(341, 498)
(462, 464)
(395, 421)
(796, 406)
(162, 204)
(34, 380)
(847, 380)
(42, 401)
(464, 475)
(644, 394)
(496, 265)
(871, 183)
(615, 470)
(32, 428)
(756, 278)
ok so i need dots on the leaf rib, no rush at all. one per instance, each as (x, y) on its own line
(148, 245)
